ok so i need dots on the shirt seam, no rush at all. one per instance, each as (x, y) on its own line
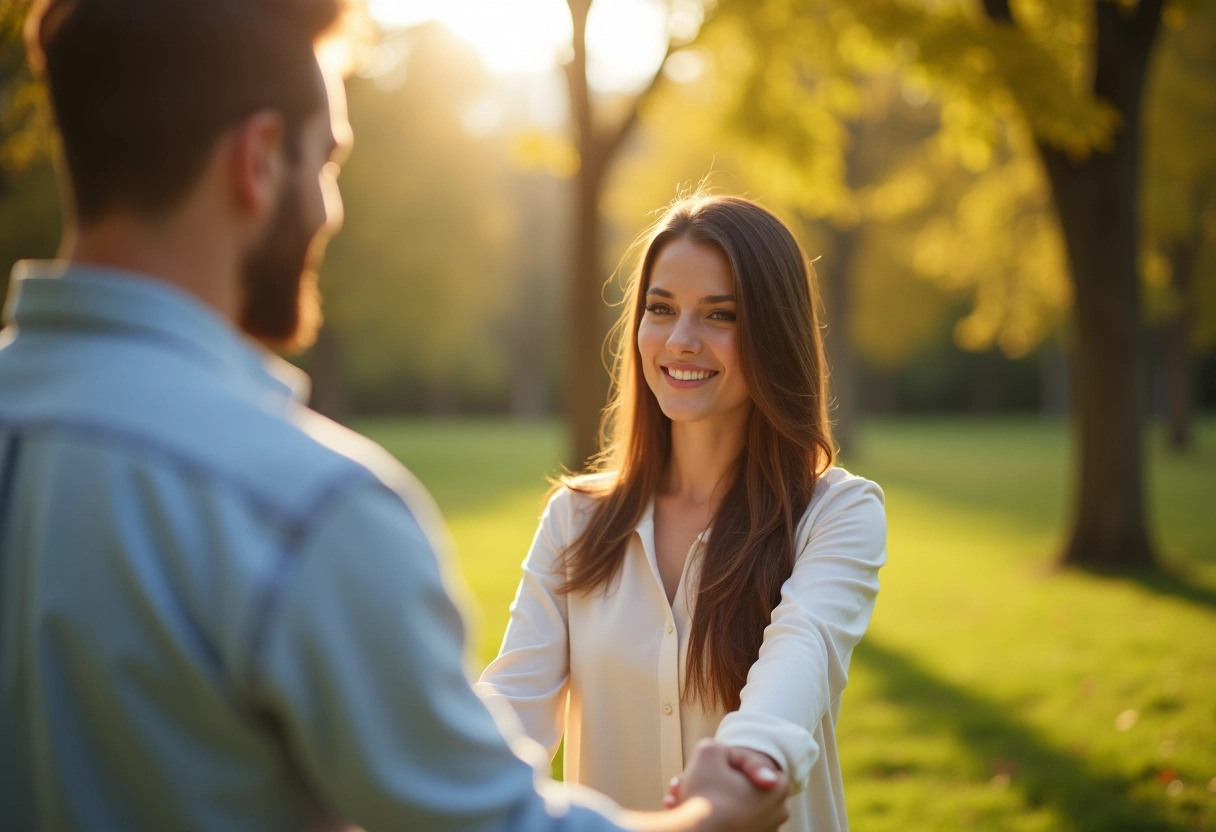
(8, 475)
(326, 500)
(184, 461)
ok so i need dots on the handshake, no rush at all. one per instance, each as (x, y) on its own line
(723, 789)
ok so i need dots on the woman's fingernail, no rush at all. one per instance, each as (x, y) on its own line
(673, 782)
(767, 774)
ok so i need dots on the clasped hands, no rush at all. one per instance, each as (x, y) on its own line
(746, 788)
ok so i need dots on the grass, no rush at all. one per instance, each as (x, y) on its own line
(993, 691)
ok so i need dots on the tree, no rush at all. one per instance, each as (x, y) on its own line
(23, 117)
(801, 113)
(416, 280)
(598, 138)
(24, 147)
(1179, 206)
(1081, 98)
(1096, 198)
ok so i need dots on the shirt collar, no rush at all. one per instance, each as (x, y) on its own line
(645, 524)
(56, 293)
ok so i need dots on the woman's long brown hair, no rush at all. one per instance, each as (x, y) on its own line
(750, 552)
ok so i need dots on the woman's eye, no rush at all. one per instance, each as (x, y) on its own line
(658, 309)
(722, 315)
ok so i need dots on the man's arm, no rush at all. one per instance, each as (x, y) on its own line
(360, 661)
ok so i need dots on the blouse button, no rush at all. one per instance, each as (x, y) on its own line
(667, 710)
(671, 628)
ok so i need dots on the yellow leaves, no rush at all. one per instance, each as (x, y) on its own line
(539, 150)
(979, 59)
(1173, 16)
(905, 192)
(933, 252)
(858, 48)
(686, 66)
(840, 96)
(916, 86)
(1156, 268)
(892, 316)
(1093, 128)
(1162, 300)
(1002, 246)
(977, 331)
(25, 135)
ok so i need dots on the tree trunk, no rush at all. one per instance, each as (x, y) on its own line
(1178, 373)
(329, 395)
(598, 145)
(583, 365)
(1096, 198)
(842, 359)
(586, 379)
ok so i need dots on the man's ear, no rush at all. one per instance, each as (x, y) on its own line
(256, 161)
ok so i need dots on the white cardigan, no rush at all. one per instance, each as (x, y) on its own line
(606, 670)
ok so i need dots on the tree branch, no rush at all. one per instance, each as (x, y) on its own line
(613, 140)
(576, 72)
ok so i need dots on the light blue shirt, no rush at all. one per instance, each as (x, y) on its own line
(219, 610)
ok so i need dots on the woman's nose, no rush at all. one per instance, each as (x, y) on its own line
(683, 339)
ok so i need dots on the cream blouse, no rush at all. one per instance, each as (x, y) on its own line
(607, 669)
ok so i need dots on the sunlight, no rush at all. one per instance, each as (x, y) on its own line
(626, 39)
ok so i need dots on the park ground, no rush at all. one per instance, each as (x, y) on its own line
(993, 690)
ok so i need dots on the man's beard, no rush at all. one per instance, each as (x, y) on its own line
(282, 302)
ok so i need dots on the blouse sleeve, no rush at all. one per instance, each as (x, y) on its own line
(533, 664)
(824, 610)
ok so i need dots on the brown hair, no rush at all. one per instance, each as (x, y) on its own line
(142, 89)
(788, 445)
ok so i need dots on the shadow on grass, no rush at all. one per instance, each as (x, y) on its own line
(1168, 582)
(1047, 777)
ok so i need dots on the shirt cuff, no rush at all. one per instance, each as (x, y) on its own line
(793, 747)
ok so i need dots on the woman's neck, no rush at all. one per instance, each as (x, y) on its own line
(703, 460)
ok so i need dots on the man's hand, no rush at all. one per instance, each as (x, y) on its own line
(744, 788)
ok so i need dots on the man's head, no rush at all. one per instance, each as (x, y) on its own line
(282, 303)
(145, 91)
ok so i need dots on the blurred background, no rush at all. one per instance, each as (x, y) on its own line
(1011, 207)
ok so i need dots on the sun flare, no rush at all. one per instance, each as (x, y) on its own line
(626, 39)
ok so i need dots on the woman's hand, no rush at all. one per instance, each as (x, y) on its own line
(761, 769)
(714, 795)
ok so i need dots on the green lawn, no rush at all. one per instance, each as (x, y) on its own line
(993, 691)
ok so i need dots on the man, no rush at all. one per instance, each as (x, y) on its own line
(218, 610)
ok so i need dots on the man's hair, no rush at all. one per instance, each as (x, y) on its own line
(141, 90)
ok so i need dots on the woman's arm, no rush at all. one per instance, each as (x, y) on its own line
(824, 610)
(532, 667)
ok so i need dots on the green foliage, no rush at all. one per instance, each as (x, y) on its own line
(24, 126)
(1178, 209)
(991, 692)
(842, 132)
(30, 219)
(416, 279)
(988, 228)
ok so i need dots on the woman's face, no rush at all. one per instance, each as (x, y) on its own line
(688, 338)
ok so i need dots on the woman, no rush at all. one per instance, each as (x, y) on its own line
(712, 576)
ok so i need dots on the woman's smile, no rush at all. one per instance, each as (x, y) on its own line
(681, 376)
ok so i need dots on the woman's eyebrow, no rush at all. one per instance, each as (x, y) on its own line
(708, 299)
